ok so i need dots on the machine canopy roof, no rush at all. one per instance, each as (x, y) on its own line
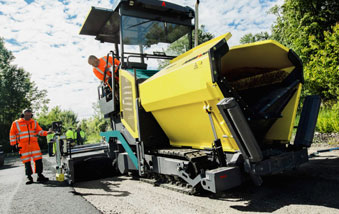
(147, 22)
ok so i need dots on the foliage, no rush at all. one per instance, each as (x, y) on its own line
(68, 118)
(249, 38)
(17, 92)
(322, 71)
(328, 119)
(298, 19)
(310, 28)
(45, 119)
(94, 125)
(182, 45)
(307, 27)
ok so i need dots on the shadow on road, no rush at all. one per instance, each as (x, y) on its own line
(8, 166)
(119, 194)
(108, 185)
(317, 183)
(11, 162)
(53, 183)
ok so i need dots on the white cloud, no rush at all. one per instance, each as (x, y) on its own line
(52, 50)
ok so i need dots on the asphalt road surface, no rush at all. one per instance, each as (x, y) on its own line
(51, 197)
(313, 188)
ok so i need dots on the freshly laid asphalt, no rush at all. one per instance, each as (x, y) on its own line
(312, 188)
(51, 197)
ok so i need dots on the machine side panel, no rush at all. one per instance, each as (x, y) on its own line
(260, 77)
(127, 102)
(283, 127)
(178, 105)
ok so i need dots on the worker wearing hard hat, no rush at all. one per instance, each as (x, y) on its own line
(99, 66)
(23, 135)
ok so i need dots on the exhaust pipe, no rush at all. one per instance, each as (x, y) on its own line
(196, 23)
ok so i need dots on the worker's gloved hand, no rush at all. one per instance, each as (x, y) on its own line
(73, 144)
(15, 148)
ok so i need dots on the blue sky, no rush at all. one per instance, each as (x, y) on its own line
(44, 37)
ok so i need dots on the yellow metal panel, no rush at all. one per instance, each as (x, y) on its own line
(172, 89)
(128, 102)
(180, 60)
(189, 126)
(283, 127)
(178, 105)
(205, 46)
(264, 54)
(177, 95)
(260, 43)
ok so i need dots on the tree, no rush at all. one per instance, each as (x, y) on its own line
(181, 45)
(94, 125)
(322, 71)
(45, 118)
(68, 118)
(249, 38)
(306, 26)
(297, 20)
(17, 92)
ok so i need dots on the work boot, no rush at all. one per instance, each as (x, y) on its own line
(42, 178)
(29, 180)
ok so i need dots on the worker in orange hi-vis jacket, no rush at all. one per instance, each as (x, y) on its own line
(23, 135)
(99, 66)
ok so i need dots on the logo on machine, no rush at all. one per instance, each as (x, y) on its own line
(223, 176)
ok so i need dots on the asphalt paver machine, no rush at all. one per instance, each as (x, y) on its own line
(76, 163)
(213, 116)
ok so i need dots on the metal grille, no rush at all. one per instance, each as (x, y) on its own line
(127, 102)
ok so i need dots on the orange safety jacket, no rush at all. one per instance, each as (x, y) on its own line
(99, 71)
(24, 133)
